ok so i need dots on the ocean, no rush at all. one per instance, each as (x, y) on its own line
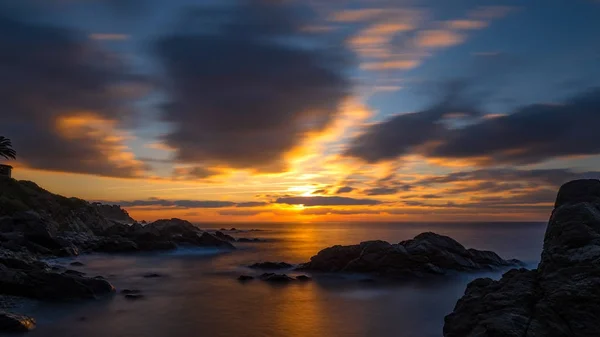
(198, 294)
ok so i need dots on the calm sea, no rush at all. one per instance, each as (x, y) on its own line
(200, 296)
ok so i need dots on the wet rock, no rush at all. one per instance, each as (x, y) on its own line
(303, 278)
(10, 322)
(271, 265)
(245, 278)
(130, 291)
(152, 275)
(559, 298)
(428, 254)
(77, 264)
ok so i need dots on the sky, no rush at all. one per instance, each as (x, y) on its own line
(304, 111)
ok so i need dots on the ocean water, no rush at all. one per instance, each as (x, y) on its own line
(200, 296)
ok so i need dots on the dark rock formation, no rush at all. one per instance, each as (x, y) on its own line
(245, 278)
(559, 298)
(152, 275)
(425, 255)
(303, 278)
(270, 265)
(134, 296)
(34, 280)
(113, 212)
(10, 322)
(224, 236)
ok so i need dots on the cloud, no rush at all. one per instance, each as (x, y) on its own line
(438, 38)
(325, 201)
(381, 191)
(356, 15)
(466, 24)
(185, 204)
(64, 101)
(539, 177)
(530, 134)
(247, 84)
(344, 189)
(404, 133)
(251, 204)
(196, 172)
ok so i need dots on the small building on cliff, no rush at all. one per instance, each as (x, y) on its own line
(5, 171)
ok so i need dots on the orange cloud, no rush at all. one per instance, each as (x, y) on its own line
(385, 65)
(438, 38)
(357, 15)
(466, 24)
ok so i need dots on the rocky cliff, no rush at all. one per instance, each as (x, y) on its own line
(561, 298)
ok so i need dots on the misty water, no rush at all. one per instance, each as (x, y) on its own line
(200, 296)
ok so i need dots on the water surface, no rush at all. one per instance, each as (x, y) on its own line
(200, 296)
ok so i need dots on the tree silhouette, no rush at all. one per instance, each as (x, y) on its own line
(6, 149)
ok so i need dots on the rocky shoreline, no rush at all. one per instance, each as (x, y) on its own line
(558, 299)
(36, 224)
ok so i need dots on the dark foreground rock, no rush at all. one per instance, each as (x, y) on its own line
(10, 322)
(425, 255)
(561, 298)
(41, 283)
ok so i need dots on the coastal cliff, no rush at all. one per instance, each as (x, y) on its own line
(561, 297)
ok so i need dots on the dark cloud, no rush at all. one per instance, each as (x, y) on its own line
(251, 204)
(381, 191)
(404, 133)
(174, 203)
(326, 201)
(197, 172)
(49, 78)
(531, 134)
(344, 189)
(247, 84)
(531, 178)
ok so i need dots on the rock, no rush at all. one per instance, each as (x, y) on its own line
(224, 236)
(152, 275)
(41, 284)
(428, 254)
(209, 240)
(77, 264)
(303, 278)
(271, 265)
(10, 322)
(113, 212)
(172, 227)
(275, 278)
(130, 291)
(233, 229)
(73, 272)
(249, 240)
(134, 296)
(559, 298)
(245, 278)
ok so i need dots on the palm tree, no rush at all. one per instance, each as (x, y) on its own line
(6, 149)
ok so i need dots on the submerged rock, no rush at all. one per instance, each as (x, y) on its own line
(270, 265)
(10, 322)
(224, 236)
(303, 278)
(559, 298)
(426, 254)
